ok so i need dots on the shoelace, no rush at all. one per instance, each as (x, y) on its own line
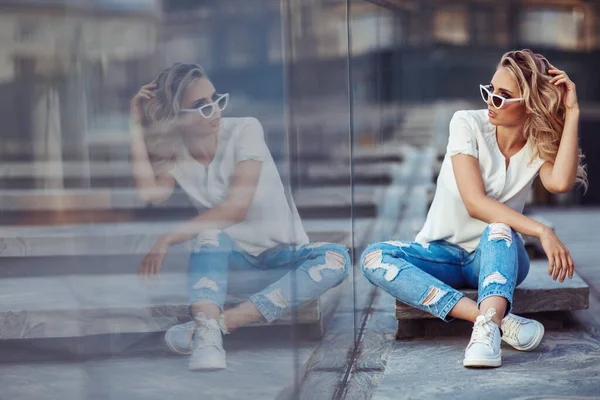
(208, 336)
(511, 327)
(482, 330)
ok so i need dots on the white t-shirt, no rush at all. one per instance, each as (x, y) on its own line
(472, 133)
(270, 219)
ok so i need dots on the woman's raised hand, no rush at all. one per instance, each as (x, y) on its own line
(136, 106)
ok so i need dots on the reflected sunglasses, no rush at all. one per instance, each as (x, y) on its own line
(207, 110)
(497, 100)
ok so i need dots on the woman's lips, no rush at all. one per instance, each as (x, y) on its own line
(491, 113)
(216, 122)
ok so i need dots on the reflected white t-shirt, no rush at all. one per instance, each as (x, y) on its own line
(270, 219)
(472, 133)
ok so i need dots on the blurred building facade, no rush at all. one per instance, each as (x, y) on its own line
(69, 68)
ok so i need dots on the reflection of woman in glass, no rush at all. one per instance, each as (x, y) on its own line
(471, 237)
(225, 167)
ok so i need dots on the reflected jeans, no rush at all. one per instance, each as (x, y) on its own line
(312, 269)
(427, 276)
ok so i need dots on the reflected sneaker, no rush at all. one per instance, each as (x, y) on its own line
(179, 338)
(522, 333)
(207, 348)
(484, 348)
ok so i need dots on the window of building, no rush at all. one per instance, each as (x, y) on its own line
(558, 28)
(371, 30)
(451, 26)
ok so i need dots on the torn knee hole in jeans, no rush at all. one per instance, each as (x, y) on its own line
(500, 231)
(496, 277)
(433, 296)
(208, 238)
(374, 260)
(334, 261)
(206, 283)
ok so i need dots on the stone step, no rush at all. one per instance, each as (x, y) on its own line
(136, 238)
(537, 294)
(71, 169)
(389, 152)
(118, 173)
(380, 174)
(39, 206)
(80, 280)
(84, 305)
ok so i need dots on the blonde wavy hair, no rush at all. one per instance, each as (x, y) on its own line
(545, 119)
(161, 130)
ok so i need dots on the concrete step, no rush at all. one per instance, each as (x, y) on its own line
(321, 175)
(388, 152)
(118, 174)
(80, 281)
(39, 206)
(136, 238)
(83, 305)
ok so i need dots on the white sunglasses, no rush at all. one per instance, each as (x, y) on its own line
(497, 100)
(207, 110)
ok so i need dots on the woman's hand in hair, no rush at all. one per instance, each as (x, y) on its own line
(570, 95)
(152, 262)
(559, 259)
(136, 107)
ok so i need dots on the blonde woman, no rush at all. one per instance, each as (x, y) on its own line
(471, 237)
(246, 223)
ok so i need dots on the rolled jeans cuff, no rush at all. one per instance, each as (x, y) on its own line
(443, 314)
(269, 310)
(207, 298)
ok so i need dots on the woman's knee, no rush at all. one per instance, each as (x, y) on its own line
(335, 258)
(212, 239)
(339, 256)
(372, 260)
(499, 231)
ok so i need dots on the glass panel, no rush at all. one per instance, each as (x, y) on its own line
(179, 167)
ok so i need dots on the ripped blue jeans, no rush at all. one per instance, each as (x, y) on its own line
(427, 277)
(302, 273)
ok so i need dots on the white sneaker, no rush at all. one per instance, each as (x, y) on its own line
(207, 349)
(522, 333)
(179, 338)
(484, 348)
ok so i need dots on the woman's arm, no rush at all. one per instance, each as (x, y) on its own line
(559, 177)
(151, 189)
(472, 192)
(480, 206)
(239, 197)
